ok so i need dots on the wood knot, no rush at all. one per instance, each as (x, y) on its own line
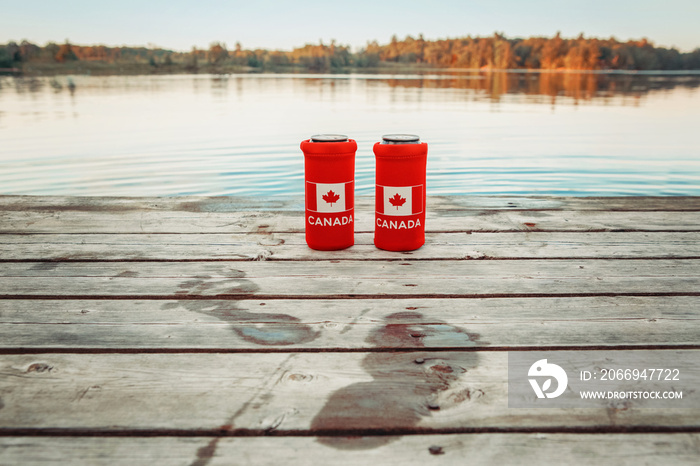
(436, 450)
(39, 367)
(296, 377)
(262, 255)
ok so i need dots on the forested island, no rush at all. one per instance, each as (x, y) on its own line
(496, 52)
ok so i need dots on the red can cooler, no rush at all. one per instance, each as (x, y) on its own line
(399, 223)
(329, 175)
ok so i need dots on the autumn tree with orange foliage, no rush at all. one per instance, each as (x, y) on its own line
(65, 53)
(217, 53)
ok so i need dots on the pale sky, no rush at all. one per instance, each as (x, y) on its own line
(178, 25)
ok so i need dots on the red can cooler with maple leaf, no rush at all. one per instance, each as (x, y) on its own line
(399, 223)
(329, 175)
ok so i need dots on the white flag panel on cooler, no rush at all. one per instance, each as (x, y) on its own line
(328, 197)
(399, 200)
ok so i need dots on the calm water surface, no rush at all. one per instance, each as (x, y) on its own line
(497, 133)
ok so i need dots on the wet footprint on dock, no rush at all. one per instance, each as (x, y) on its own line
(260, 328)
(405, 388)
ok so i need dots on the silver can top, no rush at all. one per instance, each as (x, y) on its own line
(329, 138)
(400, 139)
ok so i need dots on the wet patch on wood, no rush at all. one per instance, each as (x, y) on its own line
(206, 453)
(403, 391)
(261, 328)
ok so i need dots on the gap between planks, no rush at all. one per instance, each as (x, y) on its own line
(398, 350)
(272, 297)
(336, 259)
(611, 429)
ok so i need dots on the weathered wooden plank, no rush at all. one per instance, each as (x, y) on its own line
(350, 324)
(296, 203)
(292, 246)
(350, 278)
(446, 450)
(323, 393)
(136, 221)
(626, 203)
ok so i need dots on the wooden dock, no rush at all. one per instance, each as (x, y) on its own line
(203, 331)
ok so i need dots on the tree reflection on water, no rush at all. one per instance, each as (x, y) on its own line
(574, 85)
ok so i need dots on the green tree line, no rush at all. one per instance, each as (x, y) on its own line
(494, 52)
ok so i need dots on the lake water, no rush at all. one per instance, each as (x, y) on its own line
(488, 133)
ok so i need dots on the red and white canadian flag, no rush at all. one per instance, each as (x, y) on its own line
(329, 197)
(399, 200)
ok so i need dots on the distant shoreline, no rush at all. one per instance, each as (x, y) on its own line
(82, 68)
(410, 55)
